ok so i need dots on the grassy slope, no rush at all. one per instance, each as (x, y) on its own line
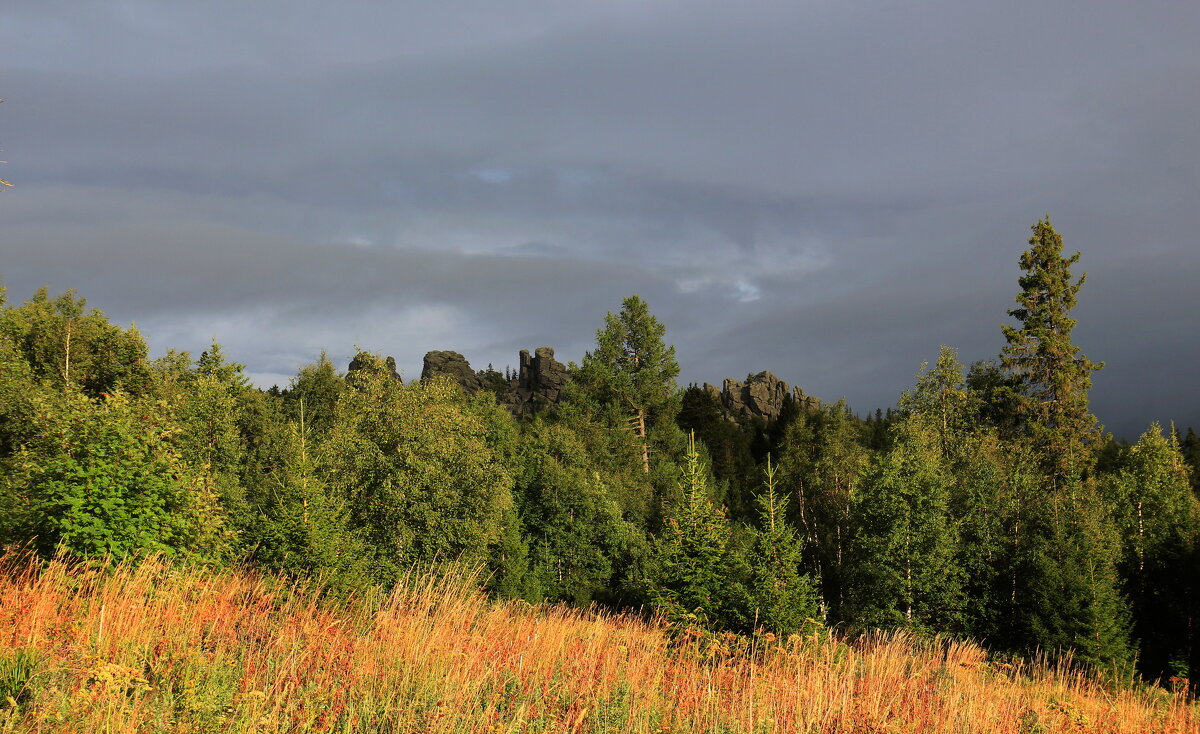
(147, 648)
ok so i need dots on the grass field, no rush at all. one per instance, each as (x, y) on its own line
(148, 648)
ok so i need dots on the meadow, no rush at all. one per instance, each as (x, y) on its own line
(147, 647)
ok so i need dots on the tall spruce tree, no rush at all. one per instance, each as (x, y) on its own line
(1054, 377)
(1067, 595)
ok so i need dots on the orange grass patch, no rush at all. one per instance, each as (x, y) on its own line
(150, 648)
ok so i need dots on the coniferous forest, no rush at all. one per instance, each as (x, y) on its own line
(988, 505)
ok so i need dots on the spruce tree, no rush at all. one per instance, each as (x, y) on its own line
(906, 573)
(302, 524)
(784, 600)
(1066, 547)
(694, 570)
(1054, 377)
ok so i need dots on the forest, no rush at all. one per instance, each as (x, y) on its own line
(988, 504)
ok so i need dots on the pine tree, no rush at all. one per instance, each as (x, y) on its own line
(634, 371)
(1054, 377)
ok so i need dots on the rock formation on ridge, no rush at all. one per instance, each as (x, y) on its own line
(452, 365)
(761, 396)
(539, 382)
(541, 379)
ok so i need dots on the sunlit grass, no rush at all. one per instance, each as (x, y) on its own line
(149, 648)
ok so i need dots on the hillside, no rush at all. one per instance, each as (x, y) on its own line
(152, 648)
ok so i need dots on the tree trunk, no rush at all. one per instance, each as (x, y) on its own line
(641, 426)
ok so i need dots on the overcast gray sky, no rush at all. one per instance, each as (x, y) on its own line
(828, 190)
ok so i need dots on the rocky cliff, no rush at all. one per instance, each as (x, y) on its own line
(452, 365)
(538, 383)
(761, 396)
(541, 379)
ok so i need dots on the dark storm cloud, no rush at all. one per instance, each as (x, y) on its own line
(827, 190)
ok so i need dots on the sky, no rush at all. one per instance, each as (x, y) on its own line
(826, 190)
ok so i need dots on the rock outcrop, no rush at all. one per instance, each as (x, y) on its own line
(452, 365)
(541, 379)
(760, 396)
(367, 361)
(539, 382)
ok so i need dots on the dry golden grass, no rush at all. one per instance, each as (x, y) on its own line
(149, 648)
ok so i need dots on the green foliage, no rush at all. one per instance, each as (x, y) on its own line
(206, 402)
(695, 571)
(317, 387)
(511, 577)
(978, 507)
(907, 573)
(18, 386)
(990, 480)
(821, 464)
(1159, 521)
(64, 343)
(728, 446)
(1069, 594)
(615, 452)
(1053, 376)
(415, 468)
(783, 599)
(1067, 589)
(17, 670)
(104, 477)
(302, 526)
(995, 398)
(940, 400)
(579, 543)
(1189, 447)
(632, 370)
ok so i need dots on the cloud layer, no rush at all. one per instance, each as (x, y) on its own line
(826, 190)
